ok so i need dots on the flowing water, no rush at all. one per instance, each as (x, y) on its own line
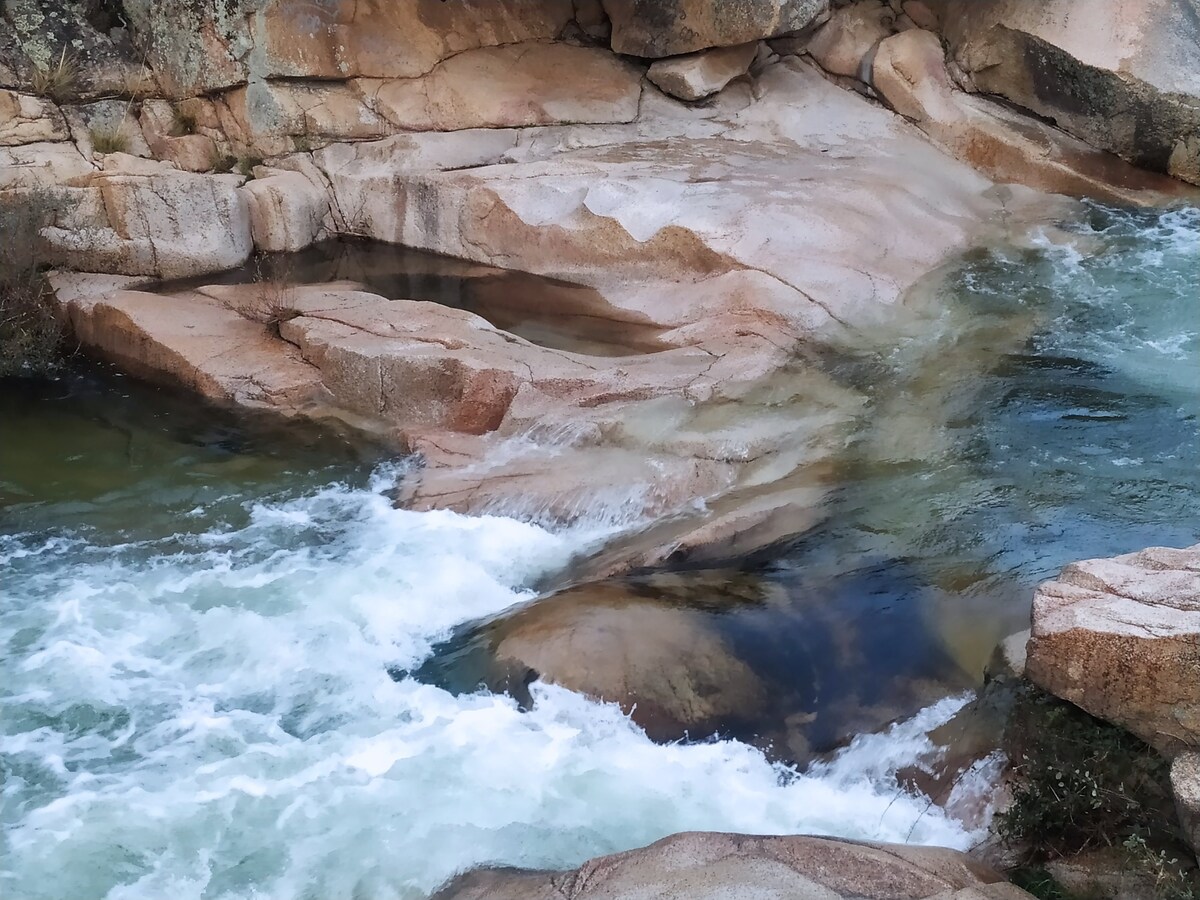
(198, 617)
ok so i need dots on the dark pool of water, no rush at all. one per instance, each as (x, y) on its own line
(545, 311)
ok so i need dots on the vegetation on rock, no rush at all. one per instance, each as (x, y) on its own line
(31, 333)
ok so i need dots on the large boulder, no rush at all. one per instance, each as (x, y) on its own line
(699, 866)
(136, 217)
(1125, 79)
(25, 119)
(844, 44)
(699, 75)
(909, 73)
(1121, 638)
(663, 662)
(655, 28)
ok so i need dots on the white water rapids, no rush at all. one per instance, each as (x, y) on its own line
(210, 716)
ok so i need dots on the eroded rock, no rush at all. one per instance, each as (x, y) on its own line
(1185, 783)
(1127, 81)
(656, 28)
(1120, 638)
(698, 866)
(699, 75)
(844, 43)
(25, 119)
(288, 212)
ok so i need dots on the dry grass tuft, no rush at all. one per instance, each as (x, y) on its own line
(59, 82)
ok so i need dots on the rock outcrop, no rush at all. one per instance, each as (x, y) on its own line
(656, 28)
(699, 865)
(1121, 638)
(1125, 79)
(699, 75)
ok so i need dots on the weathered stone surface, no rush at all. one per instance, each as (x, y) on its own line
(1127, 81)
(698, 866)
(1008, 659)
(287, 210)
(41, 165)
(512, 86)
(656, 28)
(195, 343)
(190, 152)
(138, 217)
(111, 120)
(1185, 783)
(25, 119)
(842, 45)
(699, 75)
(909, 73)
(199, 48)
(1121, 638)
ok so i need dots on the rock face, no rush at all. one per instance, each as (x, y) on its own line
(699, 75)
(25, 119)
(136, 217)
(656, 28)
(1121, 638)
(1185, 783)
(909, 72)
(698, 866)
(844, 43)
(1127, 80)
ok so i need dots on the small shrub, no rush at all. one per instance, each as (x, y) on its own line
(109, 140)
(274, 299)
(31, 334)
(59, 82)
(1080, 783)
(1173, 878)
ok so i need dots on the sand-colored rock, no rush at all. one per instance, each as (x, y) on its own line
(1185, 784)
(138, 217)
(288, 212)
(656, 28)
(1120, 638)
(843, 44)
(199, 48)
(190, 152)
(26, 119)
(1125, 80)
(699, 866)
(909, 73)
(41, 165)
(699, 75)
(513, 86)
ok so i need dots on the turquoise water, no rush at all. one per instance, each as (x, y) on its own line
(199, 612)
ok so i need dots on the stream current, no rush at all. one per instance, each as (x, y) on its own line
(198, 616)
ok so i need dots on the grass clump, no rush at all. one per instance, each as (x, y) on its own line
(183, 122)
(109, 140)
(273, 301)
(60, 81)
(31, 334)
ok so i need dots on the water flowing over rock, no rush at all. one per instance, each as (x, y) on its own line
(1121, 639)
(699, 865)
(1125, 79)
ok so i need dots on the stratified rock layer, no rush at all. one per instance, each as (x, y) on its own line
(1121, 638)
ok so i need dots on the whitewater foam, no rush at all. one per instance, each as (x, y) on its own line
(211, 715)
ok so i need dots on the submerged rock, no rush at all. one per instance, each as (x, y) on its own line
(1121, 638)
(696, 865)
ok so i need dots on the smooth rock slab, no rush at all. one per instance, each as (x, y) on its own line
(1120, 638)
(714, 866)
